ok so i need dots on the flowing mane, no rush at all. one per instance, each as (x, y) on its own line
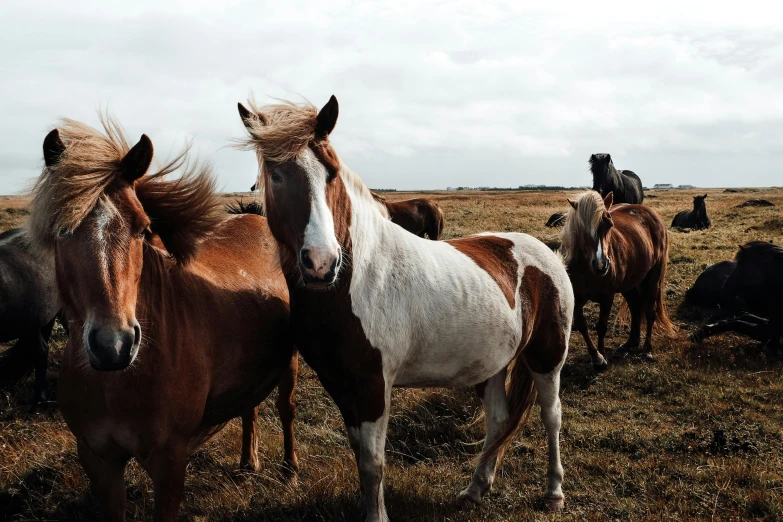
(280, 132)
(182, 210)
(581, 222)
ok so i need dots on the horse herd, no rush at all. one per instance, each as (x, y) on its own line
(150, 278)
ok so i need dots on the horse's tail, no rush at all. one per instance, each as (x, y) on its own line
(661, 317)
(16, 363)
(435, 225)
(521, 397)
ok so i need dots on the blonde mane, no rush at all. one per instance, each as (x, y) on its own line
(280, 132)
(183, 210)
(581, 222)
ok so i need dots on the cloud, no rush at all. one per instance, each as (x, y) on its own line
(431, 93)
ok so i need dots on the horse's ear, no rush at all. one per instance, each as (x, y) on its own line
(572, 203)
(248, 117)
(609, 199)
(138, 159)
(253, 188)
(592, 158)
(742, 248)
(704, 196)
(327, 118)
(53, 148)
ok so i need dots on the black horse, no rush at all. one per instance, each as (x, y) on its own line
(28, 308)
(626, 185)
(696, 219)
(556, 220)
(705, 292)
(751, 296)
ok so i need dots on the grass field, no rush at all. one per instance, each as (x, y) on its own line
(696, 434)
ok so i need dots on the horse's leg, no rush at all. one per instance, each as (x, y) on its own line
(580, 323)
(370, 396)
(634, 299)
(107, 481)
(756, 328)
(605, 308)
(286, 409)
(41, 360)
(548, 397)
(166, 468)
(249, 459)
(493, 398)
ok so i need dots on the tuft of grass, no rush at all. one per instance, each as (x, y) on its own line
(697, 434)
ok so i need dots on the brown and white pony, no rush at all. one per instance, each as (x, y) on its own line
(374, 307)
(616, 249)
(419, 216)
(178, 313)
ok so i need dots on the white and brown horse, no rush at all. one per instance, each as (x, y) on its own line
(374, 307)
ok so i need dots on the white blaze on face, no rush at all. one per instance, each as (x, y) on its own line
(599, 253)
(319, 239)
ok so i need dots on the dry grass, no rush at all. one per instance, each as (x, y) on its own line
(698, 434)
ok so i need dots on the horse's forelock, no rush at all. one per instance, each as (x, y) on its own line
(581, 223)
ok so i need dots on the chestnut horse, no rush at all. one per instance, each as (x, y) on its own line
(178, 313)
(374, 307)
(419, 216)
(609, 250)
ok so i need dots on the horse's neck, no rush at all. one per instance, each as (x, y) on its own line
(366, 217)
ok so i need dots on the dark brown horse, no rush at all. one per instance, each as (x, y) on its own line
(165, 345)
(28, 307)
(419, 216)
(610, 250)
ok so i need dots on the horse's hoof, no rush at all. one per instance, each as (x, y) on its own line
(555, 504)
(251, 467)
(468, 498)
(648, 356)
(601, 366)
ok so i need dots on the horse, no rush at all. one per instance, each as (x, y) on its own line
(751, 296)
(155, 365)
(374, 307)
(240, 207)
(616, 249)
(419, 216)
(28, 309)
(696, 219)
(624, 184)
(556, 220)
(705, 292)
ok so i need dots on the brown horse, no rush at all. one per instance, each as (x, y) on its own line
(418, 216)
(178, 313)
(609, 250)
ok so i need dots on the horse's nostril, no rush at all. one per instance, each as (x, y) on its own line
(136, 334)
(305, 258)
(92, 339)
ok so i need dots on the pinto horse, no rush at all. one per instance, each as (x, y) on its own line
(154, 281)
(375, 307)
(609, 250)
(625, 184)
(419, 216)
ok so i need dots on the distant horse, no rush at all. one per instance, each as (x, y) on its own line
(705, 292)
(157, 397)
(418, 216)
(240, 207)
(696, 219)
(624, 184)
(374, 307)
(609, 250)
(752, 293)
(28, 307)
(556, 220)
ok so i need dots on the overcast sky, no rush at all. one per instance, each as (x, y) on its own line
(432, 94)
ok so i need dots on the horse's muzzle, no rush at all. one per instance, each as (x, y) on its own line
(111, 349)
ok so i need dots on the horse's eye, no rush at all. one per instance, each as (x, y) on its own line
(145, 233)
(276, 177)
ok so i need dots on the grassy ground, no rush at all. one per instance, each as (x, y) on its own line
(697, 434)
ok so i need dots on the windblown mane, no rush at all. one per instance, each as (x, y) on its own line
(280, 132)
(581, 222)
(182, 210)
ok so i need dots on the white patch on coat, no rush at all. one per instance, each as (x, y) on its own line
(319, 237)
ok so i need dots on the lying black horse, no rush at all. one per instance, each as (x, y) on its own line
(626, 185)
(556, 220)
(752, 293)
(28, 308)
(696, 219)
(705, 292)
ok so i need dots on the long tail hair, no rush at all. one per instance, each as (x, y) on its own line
(661, 317)
(521, 394)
